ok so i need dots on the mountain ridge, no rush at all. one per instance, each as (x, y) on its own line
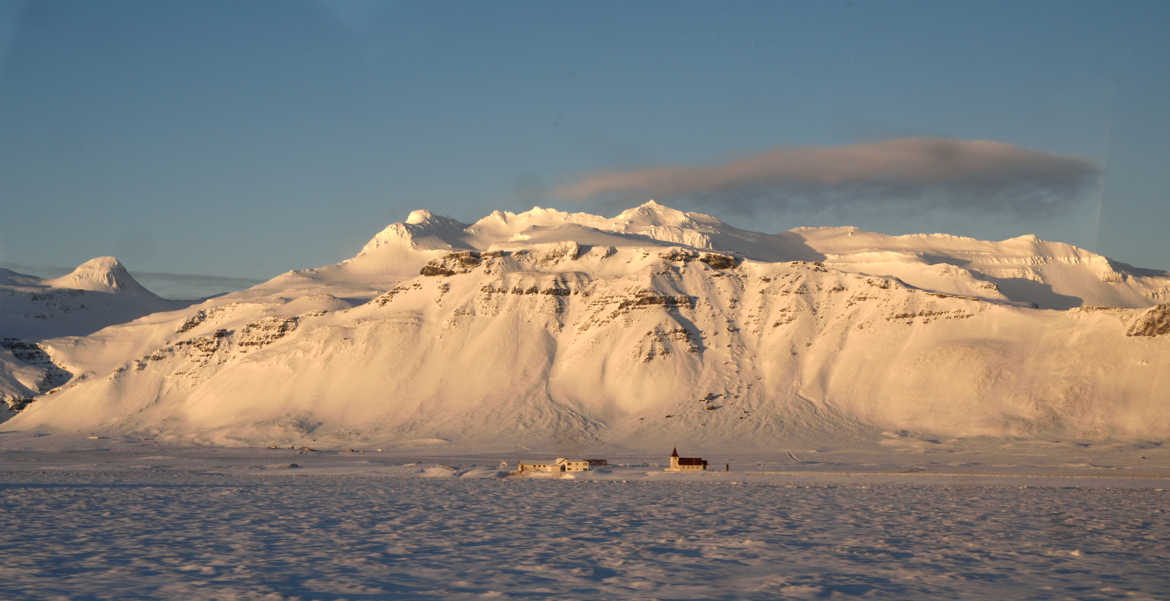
(651, 326)
(1025, 264)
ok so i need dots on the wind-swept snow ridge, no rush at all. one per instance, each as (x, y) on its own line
(654, 326)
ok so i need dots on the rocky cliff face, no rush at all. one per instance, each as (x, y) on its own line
(35, 373)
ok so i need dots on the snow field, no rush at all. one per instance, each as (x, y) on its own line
(198, 533)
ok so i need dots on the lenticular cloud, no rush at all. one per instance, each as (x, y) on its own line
(977, 175)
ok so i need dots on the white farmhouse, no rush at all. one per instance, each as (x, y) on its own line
(536, 466)
(561, 464)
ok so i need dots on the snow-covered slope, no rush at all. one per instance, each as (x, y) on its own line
(642, 329)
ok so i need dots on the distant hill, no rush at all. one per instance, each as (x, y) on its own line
(98, 293)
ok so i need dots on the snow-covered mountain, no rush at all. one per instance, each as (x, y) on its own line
(654, 326)
(98, 293)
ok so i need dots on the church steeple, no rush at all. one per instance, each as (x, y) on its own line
(679, 464)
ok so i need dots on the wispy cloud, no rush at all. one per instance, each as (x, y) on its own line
(911, 173)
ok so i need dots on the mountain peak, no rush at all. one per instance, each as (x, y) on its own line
(419, 216)
(101, 274)
(653, 213)
(422, 230)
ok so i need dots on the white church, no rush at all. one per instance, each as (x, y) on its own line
(685, 464)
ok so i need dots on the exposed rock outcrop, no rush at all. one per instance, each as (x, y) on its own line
(457, 262)
(1155, 321)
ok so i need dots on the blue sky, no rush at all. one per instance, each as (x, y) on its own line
(247, 138)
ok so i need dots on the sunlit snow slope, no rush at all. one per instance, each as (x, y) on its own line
(647, 328)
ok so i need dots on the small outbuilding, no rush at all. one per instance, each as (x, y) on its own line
(561, 464)
(573, 465)
(533, 466)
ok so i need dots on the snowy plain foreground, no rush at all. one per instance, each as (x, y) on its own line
(132, 519)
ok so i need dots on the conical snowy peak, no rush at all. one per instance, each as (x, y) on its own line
(101, 274)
